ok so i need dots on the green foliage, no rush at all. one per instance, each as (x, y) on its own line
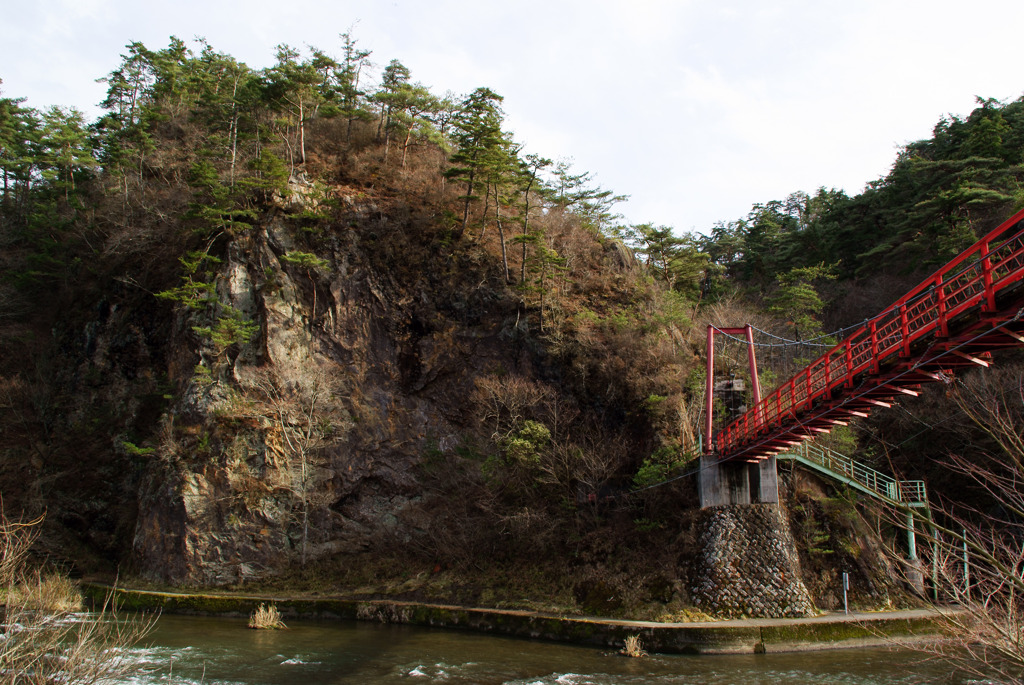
(659, 465)
(940, 195)
(676, 261)
(135, 450)
(66, 148)
(296, 88)
(197, 290)
(650, 473)
(796, 299)
(216, 206)
(524, 447)
(270, 175)
(841, 439)
(198, 293)
(230, 328)
(645, 525)
(202, 375)
(304, 260)
(674, 309)
(350, 101)
(621, 320)
(658, 409)
(542, 266)
(481, 146)
(696, 381)
(654, 404)
(573, 193)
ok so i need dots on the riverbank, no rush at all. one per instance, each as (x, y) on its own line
(828, 631)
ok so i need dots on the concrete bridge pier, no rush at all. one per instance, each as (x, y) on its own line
(747, 564)
(737, 482)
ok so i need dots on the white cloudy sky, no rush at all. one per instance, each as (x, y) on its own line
(695, 109)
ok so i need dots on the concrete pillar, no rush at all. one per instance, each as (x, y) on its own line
(722, 483)
(769, 475)
(911, 540)
(737, 482)
(913, 566)
(914, 570)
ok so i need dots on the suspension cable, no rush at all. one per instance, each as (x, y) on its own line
(838, 334)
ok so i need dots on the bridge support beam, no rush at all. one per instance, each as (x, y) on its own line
(913, 567)
(737, 482)
(911, 539)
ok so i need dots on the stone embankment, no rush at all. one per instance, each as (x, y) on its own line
(748, 564)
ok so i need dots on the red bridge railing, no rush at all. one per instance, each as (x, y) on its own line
(968, 307)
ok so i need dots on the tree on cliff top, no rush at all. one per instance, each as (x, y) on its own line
(298, 87)
(479, 137)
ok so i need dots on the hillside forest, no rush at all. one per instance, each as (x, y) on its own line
(318, 324)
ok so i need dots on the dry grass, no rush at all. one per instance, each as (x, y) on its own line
(46, 640)
(266, 618)
(633, 647)
(51, 594)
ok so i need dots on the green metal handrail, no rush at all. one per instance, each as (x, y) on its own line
(861, 476)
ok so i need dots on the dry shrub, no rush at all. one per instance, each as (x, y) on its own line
(16, 537)
(266, 617)
(48, 593)
(590, 458)
(508, 400)
(975, 548)
(575, 244)
(45, 640)
(633, 647)
(580, 450)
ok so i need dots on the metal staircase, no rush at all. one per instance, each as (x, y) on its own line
(907, 495)
(859, 476)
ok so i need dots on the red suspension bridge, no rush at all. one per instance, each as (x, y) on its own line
(956, 318)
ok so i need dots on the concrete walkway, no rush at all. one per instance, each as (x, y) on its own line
(735, 636)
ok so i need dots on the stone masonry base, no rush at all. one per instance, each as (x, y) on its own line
(748, 564)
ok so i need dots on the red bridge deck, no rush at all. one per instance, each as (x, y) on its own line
(971, 306)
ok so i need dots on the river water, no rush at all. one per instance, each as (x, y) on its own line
(216, 651)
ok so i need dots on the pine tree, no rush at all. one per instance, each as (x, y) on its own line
(528, 182)
(478, 136)
(19, 141)
(67, 147)
(348, 74)
(293, 87)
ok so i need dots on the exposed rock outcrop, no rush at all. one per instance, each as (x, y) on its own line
(303, 442)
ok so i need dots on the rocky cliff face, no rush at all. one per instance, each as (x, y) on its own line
(304, 441)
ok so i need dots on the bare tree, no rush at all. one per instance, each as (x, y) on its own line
(976, 550)
(508, 399)
(589, 460)
(302, 415)
(545, 439)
